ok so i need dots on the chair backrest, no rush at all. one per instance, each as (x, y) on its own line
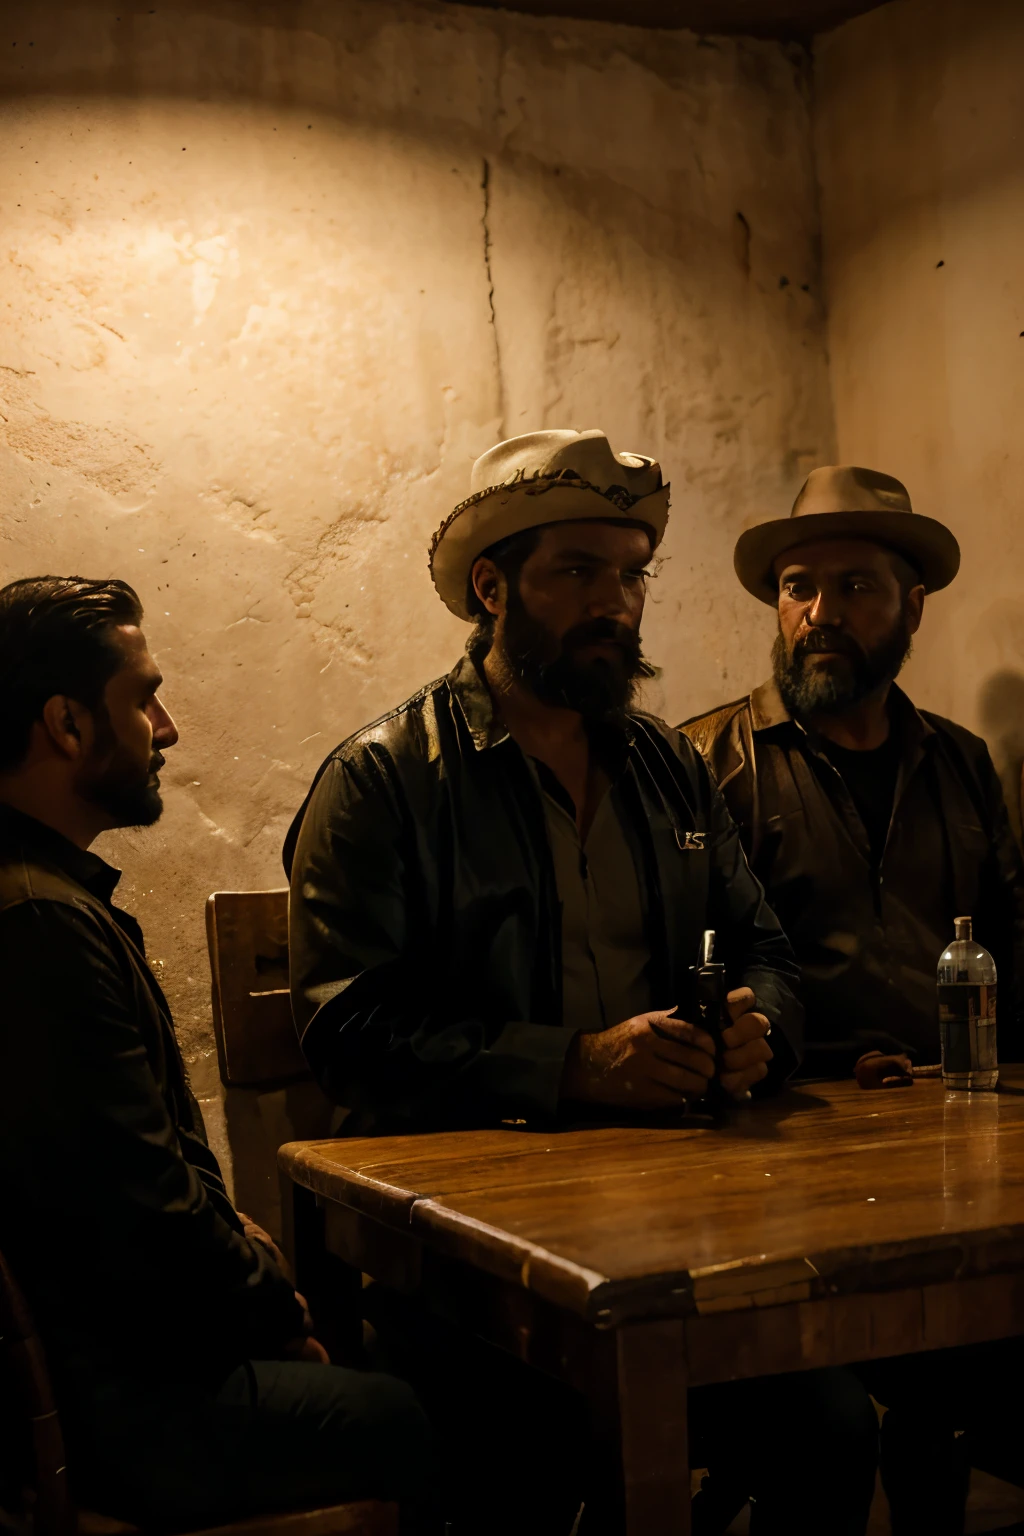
(52, 1511)
(247, 933)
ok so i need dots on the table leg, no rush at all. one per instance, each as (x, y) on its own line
(332, 1288)
(638, 1402)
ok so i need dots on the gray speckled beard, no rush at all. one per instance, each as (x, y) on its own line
(807, 693)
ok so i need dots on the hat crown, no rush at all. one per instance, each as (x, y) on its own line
(850, 488)
(563, 454)
(845, 501)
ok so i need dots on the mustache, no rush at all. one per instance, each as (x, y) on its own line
(601, 632)
(823, 638)
(156, 762)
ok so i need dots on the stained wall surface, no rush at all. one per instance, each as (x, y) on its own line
(920, 140)
(274, 275)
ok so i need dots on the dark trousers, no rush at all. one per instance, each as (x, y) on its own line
(273, 1435)
(518, 1457)
(803, 1448)
(947, 1411)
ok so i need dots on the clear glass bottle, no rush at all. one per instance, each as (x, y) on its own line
(966, 981)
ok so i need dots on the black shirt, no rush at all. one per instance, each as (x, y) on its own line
(113, 1211)
(870, 776)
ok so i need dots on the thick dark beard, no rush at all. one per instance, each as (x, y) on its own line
(601, 690)
(807, 693)
(113, 782)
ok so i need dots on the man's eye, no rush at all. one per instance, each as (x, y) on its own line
(643, 575)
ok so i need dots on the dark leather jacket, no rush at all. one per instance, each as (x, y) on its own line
(868, 938)
(425, 941)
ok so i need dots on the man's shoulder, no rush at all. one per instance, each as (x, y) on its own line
(48, 923)
(651, 733)
(27, 878)
(402, 729)
(707, 729)
(967, 751)
(966, 740)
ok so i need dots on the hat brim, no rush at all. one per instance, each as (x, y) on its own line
(511, 509)
(927, 544)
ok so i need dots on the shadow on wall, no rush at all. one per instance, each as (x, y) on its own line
(1001, 712)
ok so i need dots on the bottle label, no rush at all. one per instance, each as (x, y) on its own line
(967, 1027)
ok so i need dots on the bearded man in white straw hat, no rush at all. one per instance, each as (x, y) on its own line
(499, 890)
(872, 825)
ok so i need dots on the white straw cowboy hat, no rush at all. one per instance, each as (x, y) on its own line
(845, 502)
(543, 477)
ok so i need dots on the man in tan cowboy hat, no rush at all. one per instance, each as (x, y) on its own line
(499, 889)
(871, 825)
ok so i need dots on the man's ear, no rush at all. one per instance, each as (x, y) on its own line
(913, 607)
(487, 584)
(63, 721)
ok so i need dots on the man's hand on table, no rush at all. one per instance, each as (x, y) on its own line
(747, 1052)
(874, 1070)
(652, 1061)
(655, 1061)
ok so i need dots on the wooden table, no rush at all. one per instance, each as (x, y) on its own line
(828, 1226)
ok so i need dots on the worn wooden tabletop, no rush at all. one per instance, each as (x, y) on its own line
(822, 1191)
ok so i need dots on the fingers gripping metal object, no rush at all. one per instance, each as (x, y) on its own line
(710, 984)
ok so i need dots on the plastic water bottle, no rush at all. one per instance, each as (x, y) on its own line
(966, 980)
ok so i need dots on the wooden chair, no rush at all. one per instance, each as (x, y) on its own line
(52, 1512)
(247, 934)
(271, 1096)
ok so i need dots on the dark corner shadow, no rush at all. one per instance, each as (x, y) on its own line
(1001, 714)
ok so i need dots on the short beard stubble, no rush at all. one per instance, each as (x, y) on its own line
(114, 782)
(807, 691)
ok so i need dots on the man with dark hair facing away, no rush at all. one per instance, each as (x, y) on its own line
(872, 825)
(190, 1384)
(499, 889)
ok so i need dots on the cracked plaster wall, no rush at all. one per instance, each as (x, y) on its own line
(920, 124)
(275, 274)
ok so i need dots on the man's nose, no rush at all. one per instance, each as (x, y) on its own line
(609, 600)
(165, 732)
(826, 609)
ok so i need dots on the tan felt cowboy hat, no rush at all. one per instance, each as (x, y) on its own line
(543, 477)
(844, 502)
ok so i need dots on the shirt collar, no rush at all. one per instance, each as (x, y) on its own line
(84, 868)
(768, 711)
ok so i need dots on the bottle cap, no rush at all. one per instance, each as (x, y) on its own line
(962, 927)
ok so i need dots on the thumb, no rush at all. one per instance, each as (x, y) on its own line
(739, 1002)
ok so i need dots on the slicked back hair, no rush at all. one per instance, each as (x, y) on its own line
(56, 637)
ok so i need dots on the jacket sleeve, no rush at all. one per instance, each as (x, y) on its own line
(757, 950)
(362, 950)
(87, 1146)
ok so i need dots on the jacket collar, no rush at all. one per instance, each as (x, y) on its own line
(33, 839)
(768, 711)
(473, 697)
